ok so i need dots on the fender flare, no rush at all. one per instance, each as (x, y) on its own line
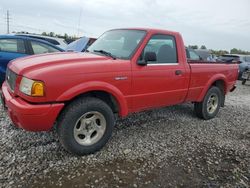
(96, 86)
(209, 84)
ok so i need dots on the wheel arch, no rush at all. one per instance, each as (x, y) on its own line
(218, 81)
(104, 91)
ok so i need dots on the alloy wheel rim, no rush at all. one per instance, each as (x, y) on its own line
(212, 103)
(89, 128)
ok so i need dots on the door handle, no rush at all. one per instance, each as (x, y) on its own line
(178, 72)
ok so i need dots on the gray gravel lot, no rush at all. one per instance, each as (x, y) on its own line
(158, 148)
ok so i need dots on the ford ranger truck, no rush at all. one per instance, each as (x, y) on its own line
(124, 71)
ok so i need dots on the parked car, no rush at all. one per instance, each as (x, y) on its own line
(206, 55)
(124, 71)
(245, 76)
(59, 42)
(80, 45)
(243, 61)
(192, 55)
(12, 47)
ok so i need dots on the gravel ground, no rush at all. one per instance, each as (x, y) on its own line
(158, 148)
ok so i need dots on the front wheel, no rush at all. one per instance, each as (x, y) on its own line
(209, 107)
(85, 126)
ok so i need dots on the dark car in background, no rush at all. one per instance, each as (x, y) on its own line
(206, 55)
(243, 60)
(12, 47)
(80, 45)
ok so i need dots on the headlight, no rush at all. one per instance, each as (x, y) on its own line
(32, 87)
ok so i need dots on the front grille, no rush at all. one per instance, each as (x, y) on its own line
(11, 79)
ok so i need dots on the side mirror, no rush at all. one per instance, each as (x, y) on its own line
(149, 56)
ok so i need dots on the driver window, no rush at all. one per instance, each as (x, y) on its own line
(12, 45)
(39, 48)
(164, 47)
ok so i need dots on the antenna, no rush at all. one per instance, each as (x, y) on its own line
(79, 23)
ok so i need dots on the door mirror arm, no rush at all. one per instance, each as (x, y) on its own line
(142, 62)
(149, 56)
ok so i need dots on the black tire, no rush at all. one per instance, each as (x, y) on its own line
(69, 118)
(244, 82)
(240, 76)
(201, 108)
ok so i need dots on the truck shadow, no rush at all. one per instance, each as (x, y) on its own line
(149, 117)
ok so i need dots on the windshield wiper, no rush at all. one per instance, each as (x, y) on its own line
(105, 53)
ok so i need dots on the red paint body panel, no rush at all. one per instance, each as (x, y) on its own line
(67, 75)
(157, 85)
(204, 75)
(30, 117)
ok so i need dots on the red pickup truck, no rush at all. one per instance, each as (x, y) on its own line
(124, 71)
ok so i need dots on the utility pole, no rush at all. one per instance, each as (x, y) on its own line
(8, 22)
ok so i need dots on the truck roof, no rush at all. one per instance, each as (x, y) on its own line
(149, 30)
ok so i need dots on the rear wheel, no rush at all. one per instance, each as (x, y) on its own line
(209, 107)
(244, 82)
(85, 126)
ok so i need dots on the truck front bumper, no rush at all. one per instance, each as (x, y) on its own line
(31, 117)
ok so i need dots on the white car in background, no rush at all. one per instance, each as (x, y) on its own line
(80, 45)
(60, 42)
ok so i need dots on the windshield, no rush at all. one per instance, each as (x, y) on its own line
(118, 43)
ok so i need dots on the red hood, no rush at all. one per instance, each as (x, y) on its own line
(37, 62)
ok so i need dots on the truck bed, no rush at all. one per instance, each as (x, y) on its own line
(204, 73)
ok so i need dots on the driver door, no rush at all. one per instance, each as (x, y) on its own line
(162, 82)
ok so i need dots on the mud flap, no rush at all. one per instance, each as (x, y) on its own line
(223, 98)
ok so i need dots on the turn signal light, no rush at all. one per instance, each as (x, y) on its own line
(37, 89)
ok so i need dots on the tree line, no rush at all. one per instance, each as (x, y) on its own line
(221, 52)
(66, 37)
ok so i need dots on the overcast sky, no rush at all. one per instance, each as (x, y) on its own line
(218, 24)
